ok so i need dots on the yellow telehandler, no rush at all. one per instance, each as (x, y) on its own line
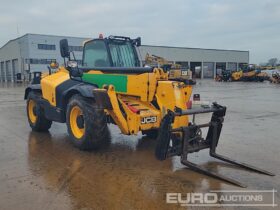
(111, 87)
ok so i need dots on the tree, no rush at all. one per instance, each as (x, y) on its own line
(272, 61)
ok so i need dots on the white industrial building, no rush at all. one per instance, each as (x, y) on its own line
(33, 52)
(202, 62)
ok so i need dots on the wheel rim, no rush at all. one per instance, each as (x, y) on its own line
(31, 111)
(76, 113)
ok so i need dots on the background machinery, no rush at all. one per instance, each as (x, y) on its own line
(275, 77)
(251, 73)
(236, 75)
(111, 87)
(246, 73)
(176, 71)
(223, 75)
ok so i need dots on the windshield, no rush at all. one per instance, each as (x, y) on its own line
(95, 54)
(123, 54)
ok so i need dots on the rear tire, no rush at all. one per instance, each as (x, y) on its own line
(87, 126)
(35, 114)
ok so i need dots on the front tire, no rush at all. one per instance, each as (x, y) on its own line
(35, 114)
(87, 126)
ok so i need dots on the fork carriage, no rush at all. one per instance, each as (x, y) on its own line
(190, 140)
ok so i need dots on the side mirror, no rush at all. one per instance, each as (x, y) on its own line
(64, 48)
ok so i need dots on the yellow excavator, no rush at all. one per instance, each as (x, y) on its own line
(175, 71)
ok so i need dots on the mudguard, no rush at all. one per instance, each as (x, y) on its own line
(71, 87)
(34, 87)
(85, 90)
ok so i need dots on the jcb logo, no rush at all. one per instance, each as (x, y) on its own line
(147, 120)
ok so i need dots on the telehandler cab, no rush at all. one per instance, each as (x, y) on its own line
(111, 87)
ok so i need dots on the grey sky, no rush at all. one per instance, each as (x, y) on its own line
(237, 24)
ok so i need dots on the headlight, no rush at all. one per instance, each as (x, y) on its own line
(72, 64)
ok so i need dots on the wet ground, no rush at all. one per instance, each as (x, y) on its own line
(44, 171)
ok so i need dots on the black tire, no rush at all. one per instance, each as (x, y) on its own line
(41, 123)
(164, 137)
(152, 134)
(95, 131)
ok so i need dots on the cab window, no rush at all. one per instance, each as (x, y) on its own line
(123, 54)
(95, 54)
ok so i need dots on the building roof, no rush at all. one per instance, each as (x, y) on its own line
(193, 48)
(159, 46)
(40, 35)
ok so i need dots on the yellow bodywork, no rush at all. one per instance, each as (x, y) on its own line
(262, 75)
(142, 106)
(236, 76)
(50, 82)
(179, 73)
(167, 94)
(249, 74)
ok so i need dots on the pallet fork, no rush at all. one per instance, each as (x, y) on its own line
(190, 140)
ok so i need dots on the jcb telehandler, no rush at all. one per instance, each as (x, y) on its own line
(111, 87)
